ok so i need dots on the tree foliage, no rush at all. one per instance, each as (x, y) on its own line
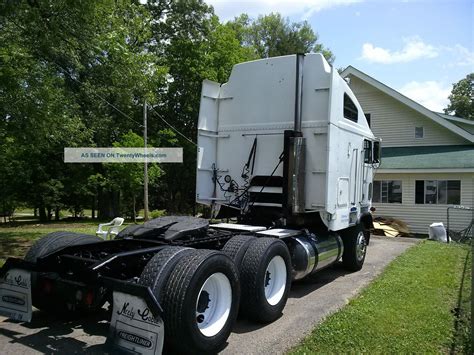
(128, 177)
(273, 35)
(64, 66)
(197, 47)
(76, 73)
(461, 100)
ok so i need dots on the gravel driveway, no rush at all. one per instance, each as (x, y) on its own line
(310, 301)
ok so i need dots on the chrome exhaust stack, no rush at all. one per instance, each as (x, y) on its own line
(294, 153)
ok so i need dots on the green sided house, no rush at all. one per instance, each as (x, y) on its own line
(427, 157)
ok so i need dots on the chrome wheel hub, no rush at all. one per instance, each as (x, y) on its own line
(361, 246)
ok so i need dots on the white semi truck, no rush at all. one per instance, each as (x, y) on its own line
(285, 151)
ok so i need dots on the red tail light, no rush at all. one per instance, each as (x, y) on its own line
(89, 298)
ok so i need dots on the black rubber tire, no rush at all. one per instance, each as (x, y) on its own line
(236, 247)
(180, 296)
(367, 236)
(57, 240)
(254, 305)
(48, 244)
(350, 260)
(159, 267)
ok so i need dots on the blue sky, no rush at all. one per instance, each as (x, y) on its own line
(418, 47)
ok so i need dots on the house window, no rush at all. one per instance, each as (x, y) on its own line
(441, 192)
(419, 132)
(367, 117)
(350, 109)
(387, 191)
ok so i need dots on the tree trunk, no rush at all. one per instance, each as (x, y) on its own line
(50, 214)
(93, 207)
(107, 204)
(102, 203)
(134, 210)
(56, 213)
(115, 207)
(42, 212)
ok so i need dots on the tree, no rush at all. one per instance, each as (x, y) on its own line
(273, 35)
(128, 177)
(64, 75)
(461, 98)
(76, 73)
(194, 46)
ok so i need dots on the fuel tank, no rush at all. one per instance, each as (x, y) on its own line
(311, 253)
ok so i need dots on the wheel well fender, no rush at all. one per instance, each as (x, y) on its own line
(366, 220)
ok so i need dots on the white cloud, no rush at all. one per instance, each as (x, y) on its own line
(228, 9)
(413, 49)
(461, 55)
(431, 94)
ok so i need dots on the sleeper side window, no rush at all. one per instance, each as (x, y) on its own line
(350, 109)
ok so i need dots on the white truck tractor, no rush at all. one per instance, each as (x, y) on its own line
(285, 151)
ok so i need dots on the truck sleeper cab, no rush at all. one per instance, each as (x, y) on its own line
(284, 148)
(329, 151)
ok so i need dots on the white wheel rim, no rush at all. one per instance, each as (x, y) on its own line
(274, 281)
(213, 304)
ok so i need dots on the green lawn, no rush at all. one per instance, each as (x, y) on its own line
(16, 238)
(27, 213)
(410, 308)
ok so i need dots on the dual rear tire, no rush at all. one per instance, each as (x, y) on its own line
(264, 266)
(201, 289)
(200, 292)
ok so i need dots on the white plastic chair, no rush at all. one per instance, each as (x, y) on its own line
(110, 232)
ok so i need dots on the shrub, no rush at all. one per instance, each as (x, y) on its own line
(157, 213)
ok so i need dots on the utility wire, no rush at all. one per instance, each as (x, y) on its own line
(171, 126)
(96, 94)
(49, 60)
(112, 105)
(123, 113)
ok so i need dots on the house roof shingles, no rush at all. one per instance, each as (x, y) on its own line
(428, 157)
(467, 125)
(443, 121)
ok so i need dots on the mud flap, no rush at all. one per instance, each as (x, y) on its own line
(15, 295)
(133, 327)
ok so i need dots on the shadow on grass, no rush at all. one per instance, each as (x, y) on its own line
(14, 245)
(64, 224)
(17, 238)
(26, 222)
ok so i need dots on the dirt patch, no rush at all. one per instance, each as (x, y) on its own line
(15, 246)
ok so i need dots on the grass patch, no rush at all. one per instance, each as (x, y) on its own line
(462, 337)
(16, 238)
(414, 306)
